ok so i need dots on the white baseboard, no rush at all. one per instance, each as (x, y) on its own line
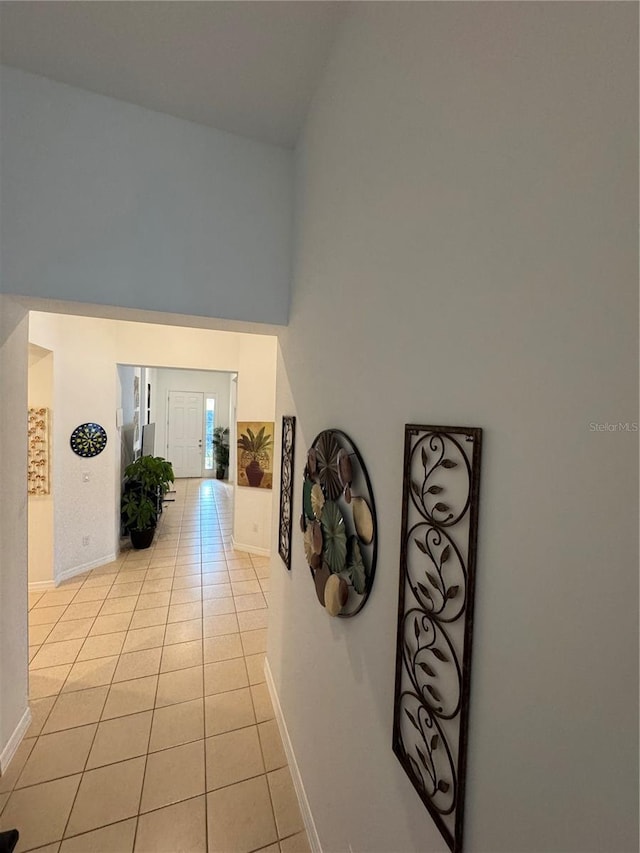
(14, 741)
(85, 567)
(305, 809)
(251, 549)
(38, 586)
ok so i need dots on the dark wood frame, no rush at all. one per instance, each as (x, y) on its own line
(286, 488)
(430, 726)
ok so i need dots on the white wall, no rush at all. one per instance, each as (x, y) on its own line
(40, 507)
(125, 401)
(467, 254)
(13, 527)
(256, 401)
(87, 388)
(108, 203)
(209, 383)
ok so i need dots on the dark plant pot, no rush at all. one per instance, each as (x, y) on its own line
(220, 472)
(141, 539)
(254, 473)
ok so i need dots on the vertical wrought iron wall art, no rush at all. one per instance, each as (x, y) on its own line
(286, 488)
(38, 452)
(435, 616)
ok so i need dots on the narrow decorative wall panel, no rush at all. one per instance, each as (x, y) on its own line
(38, 452)
(286, 488)
(435, 617)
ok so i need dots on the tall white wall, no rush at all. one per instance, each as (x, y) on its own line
(13, 526)
(108, 203)
(256, 401)
(89, 387)
(40, 507)
(467, 254)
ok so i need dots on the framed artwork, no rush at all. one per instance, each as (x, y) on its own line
(255, 454)
(435, 617)
(286, 488)
(38, 452)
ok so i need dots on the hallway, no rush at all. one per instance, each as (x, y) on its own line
(152, 726)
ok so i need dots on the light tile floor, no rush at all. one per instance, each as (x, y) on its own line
(152, 726)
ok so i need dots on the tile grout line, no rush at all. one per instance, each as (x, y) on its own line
(212, 527)
(66, 826)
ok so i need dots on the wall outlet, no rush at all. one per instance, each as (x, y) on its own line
(255, 526)
(85, 540)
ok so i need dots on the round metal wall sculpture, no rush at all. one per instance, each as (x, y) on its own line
(339, 523)
(88, 440)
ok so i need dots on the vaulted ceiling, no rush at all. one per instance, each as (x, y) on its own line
(249, 68)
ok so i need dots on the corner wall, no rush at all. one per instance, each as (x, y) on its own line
(467, 254)
(13, 527)
(40, 507)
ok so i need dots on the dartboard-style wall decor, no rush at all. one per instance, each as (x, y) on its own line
(339, 523)
(88, 440)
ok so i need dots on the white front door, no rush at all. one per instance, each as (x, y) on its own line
(184, 431)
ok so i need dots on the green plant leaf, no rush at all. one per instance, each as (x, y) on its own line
(359, 577)
(356, 566)
(335, 537)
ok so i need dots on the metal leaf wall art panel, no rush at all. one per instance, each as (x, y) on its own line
(435, 616)
(286, 488)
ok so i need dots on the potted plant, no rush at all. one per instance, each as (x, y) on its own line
(147, 480)
(221, 450)
(139, 516)
(254, 454)
(152, 473)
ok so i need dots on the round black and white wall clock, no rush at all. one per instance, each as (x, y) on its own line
(88, 440)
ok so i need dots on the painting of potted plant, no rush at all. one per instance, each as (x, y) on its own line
(255, 454)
